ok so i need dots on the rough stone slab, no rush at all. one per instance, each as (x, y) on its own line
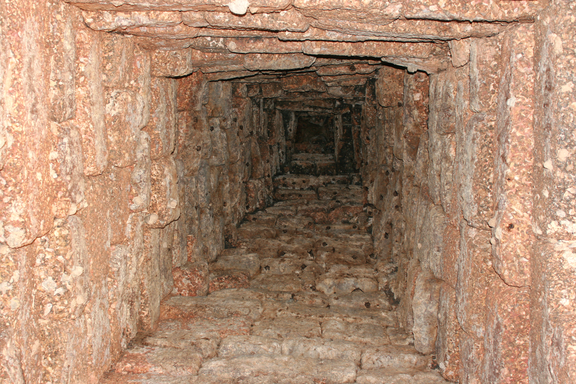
(507, 341)
(228, 279)
(512, 233)
(113, 21)
(303, 83)
(90, 105)
(160, 360)
(283, 266)
(149, 378)
(283, 283)
(317, 348)
(335, 28)
(353, 316)
(262, 45)
(362, 333)
(288, 20)
(351, 193)
(253, 230)
(213, 306)
(287, 326)
(234, 346)
(277, 62)
(190, 279)
(333, 371)
(370, 49)
(238, 8)
(237, 259)
(391, 376)
(290, 194)
(182, 339)
(394, 357)
(435, 10)
(172, 63)
(375, 300)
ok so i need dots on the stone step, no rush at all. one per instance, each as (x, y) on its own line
(223, 304)
(306, 181)
(280, 366)
(394, 357)
(314, 347)
(396, 376)
(293, 194)
(237, 259)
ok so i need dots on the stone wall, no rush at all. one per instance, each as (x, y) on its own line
(113, 174)
(553, 262)
(449, 169)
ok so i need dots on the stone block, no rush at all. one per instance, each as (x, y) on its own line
(172, 63)
(124, 119)
(287, 20)
(113, 21)
(191, 279)
(507, 341)
(262, 45)
(189, 91)
(512, 233)
(164, 199)
(393, 357)
(425, 304)
(475, 276)
(365, 333)
(61, 42)
(90, 104)
(277, 62)
(163, 118)
(228, 280)
(449, 334)
(160, 360)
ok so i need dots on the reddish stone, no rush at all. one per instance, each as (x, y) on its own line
(191, 279)
(232, 280)
(507, 341)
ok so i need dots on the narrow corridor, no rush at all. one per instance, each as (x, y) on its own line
(304, 301)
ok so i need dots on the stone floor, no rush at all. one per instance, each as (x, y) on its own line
(313, 304)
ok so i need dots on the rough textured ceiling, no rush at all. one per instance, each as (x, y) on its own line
(343, 42)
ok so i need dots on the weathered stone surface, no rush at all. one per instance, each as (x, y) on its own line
(282, 366)
(191, 279)
(376, 376)
(425, 307)
(162, 124)
(288, 20)
(238, 8)
(124, 119)
(507, 335)
(370, 49)
(164, 200)
(262, 45)
(512, 230)
(116, 21)
(278, 62)
(335, 27)
(172, 63)
(398, 357)
(90, 105)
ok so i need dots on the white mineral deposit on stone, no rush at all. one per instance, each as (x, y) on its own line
(76, 271)
(49, 284)
(152, 219)
(239, 7)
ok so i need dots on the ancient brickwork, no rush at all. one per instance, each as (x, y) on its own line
(449, 170)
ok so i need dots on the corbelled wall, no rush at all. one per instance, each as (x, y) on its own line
(119, 164)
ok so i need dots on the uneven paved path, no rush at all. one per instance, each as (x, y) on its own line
(315, 307)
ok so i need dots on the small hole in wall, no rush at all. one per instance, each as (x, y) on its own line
(510, 226)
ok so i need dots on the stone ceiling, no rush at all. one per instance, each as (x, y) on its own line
(326, 48)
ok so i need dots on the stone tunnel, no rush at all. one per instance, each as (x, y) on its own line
(287, 191)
